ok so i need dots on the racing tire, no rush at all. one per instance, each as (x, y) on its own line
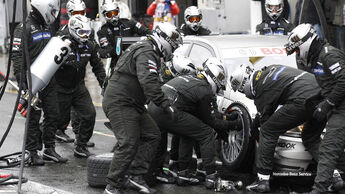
(238, 153)
(97, 169)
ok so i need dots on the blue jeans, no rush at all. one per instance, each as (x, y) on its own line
(341, 37)
(318, 29)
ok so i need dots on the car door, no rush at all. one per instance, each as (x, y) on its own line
(199, 52)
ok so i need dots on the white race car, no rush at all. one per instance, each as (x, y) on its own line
(233, 50)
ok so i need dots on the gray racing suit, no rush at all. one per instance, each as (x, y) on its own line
(274, 27)
(71, 88)
(38, 35)
(328, 66)
(185, 30)
(134, 81)
(296, 91)
(194, 99)
(110, 35)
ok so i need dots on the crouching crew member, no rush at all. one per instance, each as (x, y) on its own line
(297, 93)
(194, 97)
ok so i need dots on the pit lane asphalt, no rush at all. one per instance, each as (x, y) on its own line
(71, 177)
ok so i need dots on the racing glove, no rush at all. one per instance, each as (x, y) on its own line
(236, 124)
(72, 61)
(103, 54)
(235, 121)
(322, 110)
(231, 116)
(172, 111)
(104, 86)
(223, 135)
(256, 122)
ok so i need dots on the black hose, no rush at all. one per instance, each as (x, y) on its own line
(7, 180)
(6, 79)
(10, 52)
(28, 64)
(14, 159)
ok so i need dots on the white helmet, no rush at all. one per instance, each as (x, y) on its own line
(49, 9)
(300, 41)
(181, 65)
(193, 17)
(241, 79)
(75, 7)
(274, 8)
(214, 72)
(79, 27)
(110, 10)
(168, 39)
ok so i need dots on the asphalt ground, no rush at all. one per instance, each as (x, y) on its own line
(72, 176)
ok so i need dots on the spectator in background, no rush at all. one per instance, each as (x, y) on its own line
(276, 24)
(163, 11)
(339, 22)
(63, 15)
(91, 8)
(329, 10)
(310, 17)
(125, 12)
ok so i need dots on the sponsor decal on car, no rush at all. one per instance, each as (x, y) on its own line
(254, 52)
(300, 174)
(286, 145)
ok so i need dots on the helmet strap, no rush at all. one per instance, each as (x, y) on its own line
(214, 78)
(173, 70)
(290, 48)
(167, 38)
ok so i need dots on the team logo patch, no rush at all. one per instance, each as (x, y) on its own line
(152, 66)
(318, 70)
(41, 35)
(335, 68)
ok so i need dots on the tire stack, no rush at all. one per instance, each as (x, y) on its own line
(97, 169)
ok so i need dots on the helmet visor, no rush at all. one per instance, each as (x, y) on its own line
(191, 19)
(81, 12)
(112, 13)
(83, 33)
(274, 8)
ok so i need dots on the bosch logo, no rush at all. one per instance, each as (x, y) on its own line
(287, 145)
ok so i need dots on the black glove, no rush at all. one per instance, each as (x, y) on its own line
(172, 111)
(236, 124)
(256, 122)
(104, 86)
(72, 61)
(223, 135)
(322, 109)
(103, 54)
(231, 116)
